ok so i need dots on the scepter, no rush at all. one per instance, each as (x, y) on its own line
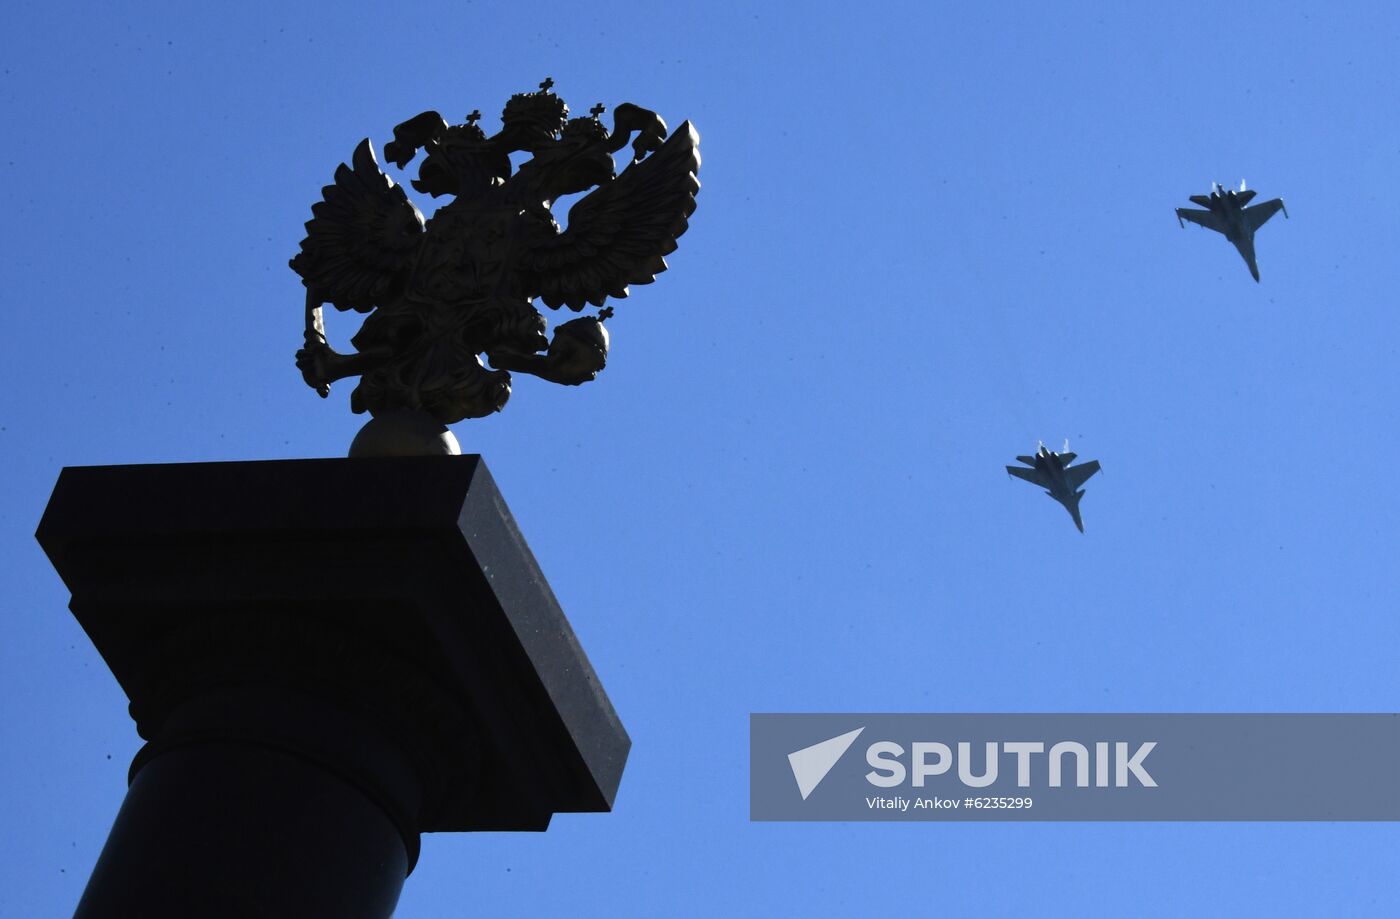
(316, 332)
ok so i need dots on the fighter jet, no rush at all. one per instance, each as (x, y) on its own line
(1227, 214)
(1052, 472)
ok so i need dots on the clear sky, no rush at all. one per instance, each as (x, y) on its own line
(929, 235)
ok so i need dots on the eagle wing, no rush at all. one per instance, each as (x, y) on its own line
(618, 234)
(361, 237)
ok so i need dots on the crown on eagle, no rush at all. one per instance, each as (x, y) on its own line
(543, 109)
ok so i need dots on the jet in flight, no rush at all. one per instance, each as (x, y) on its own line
(1226, 213)
(1052, 472)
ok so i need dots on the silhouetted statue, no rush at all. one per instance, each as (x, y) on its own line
(443, 293)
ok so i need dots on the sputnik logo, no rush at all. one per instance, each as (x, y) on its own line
(811, 764)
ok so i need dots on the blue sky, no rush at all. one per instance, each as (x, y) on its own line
(929, 235)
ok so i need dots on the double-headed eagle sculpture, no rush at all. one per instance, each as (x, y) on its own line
(442, 293)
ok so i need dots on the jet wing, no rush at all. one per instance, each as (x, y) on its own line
(1075, 477)
(1034, 476)
(1208, 219)
(1254, 217)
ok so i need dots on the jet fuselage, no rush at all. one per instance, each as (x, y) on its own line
(1230, 211)
(1054, 467)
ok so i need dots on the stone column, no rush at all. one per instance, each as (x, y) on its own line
(326, 659)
